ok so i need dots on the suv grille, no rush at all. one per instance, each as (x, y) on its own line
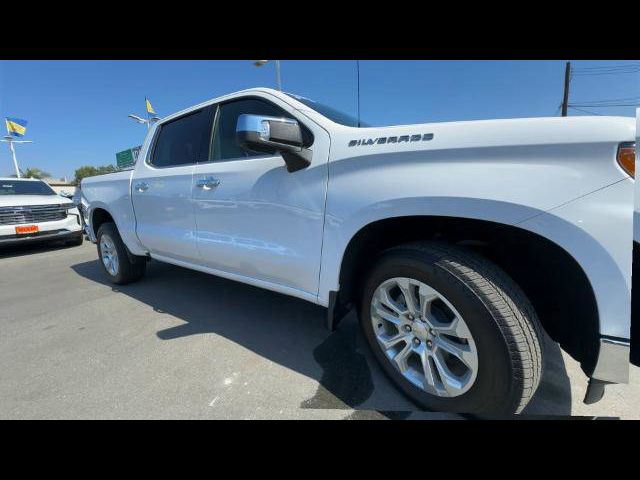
(31, 214)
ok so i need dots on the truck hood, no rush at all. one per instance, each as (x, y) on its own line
(26, 200)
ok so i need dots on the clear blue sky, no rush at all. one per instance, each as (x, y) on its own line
(77, 110)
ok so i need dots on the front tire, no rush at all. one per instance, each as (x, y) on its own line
(452, 330)
(120, 266)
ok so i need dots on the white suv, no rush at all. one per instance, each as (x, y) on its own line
(30, 211)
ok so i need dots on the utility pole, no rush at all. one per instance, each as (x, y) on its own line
(262, 63)
(565, 98)
(278, 78)
(358, 69)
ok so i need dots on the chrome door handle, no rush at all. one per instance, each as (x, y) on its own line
(141, 186)
(207, 183)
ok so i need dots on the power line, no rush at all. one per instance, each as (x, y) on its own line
(585, 111)
(601, 68)
(603, 103)
(610, 72)
(607, 105)
(610, 100)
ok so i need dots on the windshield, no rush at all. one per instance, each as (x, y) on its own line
(331, 113)
(17, 187)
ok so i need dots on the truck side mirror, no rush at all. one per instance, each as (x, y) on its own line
(265, 134)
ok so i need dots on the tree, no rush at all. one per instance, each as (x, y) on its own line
(91, 171)
(36, 173)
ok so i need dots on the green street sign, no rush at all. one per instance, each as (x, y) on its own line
(127, 158)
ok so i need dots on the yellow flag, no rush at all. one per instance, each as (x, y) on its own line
(150, 109)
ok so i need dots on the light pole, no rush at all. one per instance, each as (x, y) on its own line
(10, 140)
(151, 115)
(146, 121)
(261, 63)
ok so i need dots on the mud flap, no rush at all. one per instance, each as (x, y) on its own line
(336, 310)
(595, 391)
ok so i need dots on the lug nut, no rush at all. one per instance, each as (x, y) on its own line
(407, 328)
(429, 343)
(416, 341)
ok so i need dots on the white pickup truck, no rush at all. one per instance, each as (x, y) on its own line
(458, 243)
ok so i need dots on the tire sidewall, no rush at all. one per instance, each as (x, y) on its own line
(493, 388)
(110, 229)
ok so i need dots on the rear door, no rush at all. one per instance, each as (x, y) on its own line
(161, 189)
(254, 219)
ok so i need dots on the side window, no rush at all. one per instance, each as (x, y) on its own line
(181, 141)
(224, 146)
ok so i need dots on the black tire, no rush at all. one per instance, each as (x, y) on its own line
(504, 325)
(130, 267)
(77, 241)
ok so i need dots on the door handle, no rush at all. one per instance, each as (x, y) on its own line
(207, 183)
(141, 186)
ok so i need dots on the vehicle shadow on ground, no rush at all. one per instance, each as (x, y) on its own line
(293, 333)
(18, 250)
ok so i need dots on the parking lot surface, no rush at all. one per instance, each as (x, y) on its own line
(182, 344)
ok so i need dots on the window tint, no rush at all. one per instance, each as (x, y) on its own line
(224, 146)
(331, 113)
(25, 187)
(180, 141)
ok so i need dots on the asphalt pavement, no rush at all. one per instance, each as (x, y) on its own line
(183, 344)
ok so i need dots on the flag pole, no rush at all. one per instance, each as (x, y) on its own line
(8, 139)
(15, 160)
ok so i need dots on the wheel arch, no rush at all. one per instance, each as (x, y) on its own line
(551, 277)
(99, 215)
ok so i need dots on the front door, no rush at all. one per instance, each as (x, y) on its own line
(254, 219)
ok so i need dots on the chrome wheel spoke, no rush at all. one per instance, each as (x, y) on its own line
(400, 358)
(462, 352)
(392, 341)
(387, 301)
(456, 328)
(405, 286)
(451, 383)
(429, 382)
(384, 314)
(109, 255)
(427, 295)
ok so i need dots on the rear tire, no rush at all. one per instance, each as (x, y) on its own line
(499, 344)
(117, 262)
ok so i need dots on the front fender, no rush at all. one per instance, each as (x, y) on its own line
(339, 231)
(595, 230)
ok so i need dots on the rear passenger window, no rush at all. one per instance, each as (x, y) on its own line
(182, 141)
